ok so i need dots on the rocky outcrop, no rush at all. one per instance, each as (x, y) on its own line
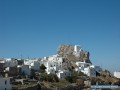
(67, 51)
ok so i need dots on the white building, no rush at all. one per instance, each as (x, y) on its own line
(53, 64)
(29, 61)
(82, 64)
(89, 71)
(97, 68)
(2, 60)
(77, 50)
(10, 62)
(86, 68)
(51, 70)
(63, 74)
(5, 83)
(26, 69)
(117, 74)
(2, 64)
(35, 65)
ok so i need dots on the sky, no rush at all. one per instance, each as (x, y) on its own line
(35, 28)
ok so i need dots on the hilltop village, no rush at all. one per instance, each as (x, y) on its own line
(71, 67)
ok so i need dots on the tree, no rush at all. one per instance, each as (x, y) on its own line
(33, 75)
(69, 79)
(42, 68)
(43, 77)
(56, 78)
(72, 78)
(39, 87)
(52, 78)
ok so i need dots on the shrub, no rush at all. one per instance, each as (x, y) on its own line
(52, 78)
(48, 77)
(80, 81)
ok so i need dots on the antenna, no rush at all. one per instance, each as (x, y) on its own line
(101, 65)
(21, 56)
(28, 57)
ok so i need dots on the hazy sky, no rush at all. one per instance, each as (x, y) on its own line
(35, 28)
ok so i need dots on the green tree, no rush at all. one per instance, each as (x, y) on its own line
(39, 87)
(69, 79)
(42, 68)
(52, 78)
(33, 75)
(72, 78)
(56, 78)
(43, 77)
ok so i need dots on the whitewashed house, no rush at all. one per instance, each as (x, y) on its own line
(97, 68)
(2, 65)
(51, 70)
(89, 71)
(86, 68)
(35, 65)
(5, 83)
(2, 61)
(25, 69)
(82, 64)
(53, 64)
(43, 61)
(63, 74)
(117, 74)
(50, 67)
(77, 50)
(9, 62)
(28, 61)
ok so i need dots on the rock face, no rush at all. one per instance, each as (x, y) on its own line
(67, 51)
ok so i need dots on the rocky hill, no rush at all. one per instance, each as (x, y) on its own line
(67, 51)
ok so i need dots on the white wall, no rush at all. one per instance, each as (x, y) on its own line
(51, 70)
(5, 84)
(89, 72)
(117, 74)
(63, 74)
(11, 63)
(97, 68)
(26, 69)
(35, 65)
(54, 63)
(77, 48)
(82, 64)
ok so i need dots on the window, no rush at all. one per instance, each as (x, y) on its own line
(5, 82)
